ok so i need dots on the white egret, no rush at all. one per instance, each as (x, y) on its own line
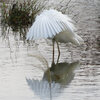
(54, 25)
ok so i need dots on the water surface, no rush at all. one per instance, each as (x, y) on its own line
(24, 75)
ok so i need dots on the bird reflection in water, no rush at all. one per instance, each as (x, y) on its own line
(54, 81)
(61, 73)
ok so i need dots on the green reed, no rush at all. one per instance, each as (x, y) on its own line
(18, 17)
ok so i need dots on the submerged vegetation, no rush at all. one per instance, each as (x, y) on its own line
(18, 17)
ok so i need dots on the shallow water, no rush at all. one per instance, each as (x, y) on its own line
(24, 75)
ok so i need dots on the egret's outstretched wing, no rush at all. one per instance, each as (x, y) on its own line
(48, 24)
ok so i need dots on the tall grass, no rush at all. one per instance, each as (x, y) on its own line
(18, 17)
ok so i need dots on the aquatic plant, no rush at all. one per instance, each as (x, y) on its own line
(18, 17)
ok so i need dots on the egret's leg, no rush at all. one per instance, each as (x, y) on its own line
(53, 52)
(71, 52)
(58, 51)
(71, 55)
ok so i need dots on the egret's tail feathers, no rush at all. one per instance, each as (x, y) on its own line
(77, 40)
(81, 41)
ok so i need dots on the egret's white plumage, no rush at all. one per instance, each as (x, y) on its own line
(42, 88)
(54, 25)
